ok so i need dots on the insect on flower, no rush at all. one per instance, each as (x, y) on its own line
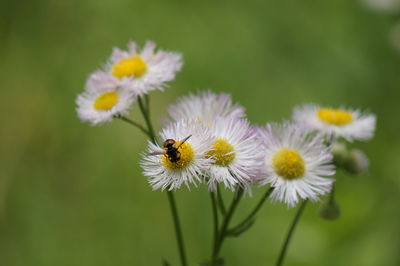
(171, 149)
(181, 159)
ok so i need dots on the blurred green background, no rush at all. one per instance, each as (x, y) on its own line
(72, 194)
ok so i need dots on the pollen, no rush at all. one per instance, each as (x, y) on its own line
(132, 66)
(106, 101)
(222, 152)
(186, 155)
(335, 116)
(288, 164)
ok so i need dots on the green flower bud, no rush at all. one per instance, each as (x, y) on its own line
(340, 154)
(329, 210)
(353, 161)
(358, 162)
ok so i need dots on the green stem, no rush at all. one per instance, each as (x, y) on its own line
(147, 103)
(133, 123)
(174, 211)
(147, 119)
(178, 231)
(254, 212)
(290, 233)
(221, 204)
(215, 216)
(222, 232)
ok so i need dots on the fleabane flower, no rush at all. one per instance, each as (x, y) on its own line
(102, 100)
(143, 70)
(295, 163)
(333, 123)
(169, 170)
(235, 152)
(204, 106)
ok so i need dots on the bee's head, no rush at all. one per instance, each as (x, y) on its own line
(169, 143)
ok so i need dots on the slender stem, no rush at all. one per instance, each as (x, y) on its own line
(147, 103)
(221, 204)
(174, 211)
(255, 210)
(215, 216)
(146, 117)
(139, 126)
(178, 231)
(222, 232)
(290, 233)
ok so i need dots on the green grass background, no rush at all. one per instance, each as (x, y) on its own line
(72, 194)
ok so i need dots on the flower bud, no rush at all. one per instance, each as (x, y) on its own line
(330, 210)
(354, 161)
(358, 162)
(340, 154)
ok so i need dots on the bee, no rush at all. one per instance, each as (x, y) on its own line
(171, 149)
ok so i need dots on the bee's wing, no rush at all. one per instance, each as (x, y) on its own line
(183, 141)
(156, 153)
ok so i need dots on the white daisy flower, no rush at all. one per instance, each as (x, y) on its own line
(204, 106)
(236, 155)
(102, 100)
(295, 163)
(169, 170)
(143, 70)
(346, 123)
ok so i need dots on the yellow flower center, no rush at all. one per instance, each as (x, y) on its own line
(132, 66)
(288, 164)
(335, 116)
(185, 155)
(222, 152)
(106, 101)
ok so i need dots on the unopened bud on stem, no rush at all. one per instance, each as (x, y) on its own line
(354, 161)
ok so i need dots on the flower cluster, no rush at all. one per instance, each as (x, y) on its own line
(127, 75)
(208, 140)
(221, 142)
